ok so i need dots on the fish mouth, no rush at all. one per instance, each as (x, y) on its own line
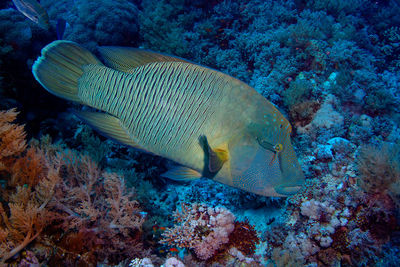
(287, 190)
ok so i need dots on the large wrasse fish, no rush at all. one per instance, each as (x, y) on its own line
(210, 123)
(34, 11)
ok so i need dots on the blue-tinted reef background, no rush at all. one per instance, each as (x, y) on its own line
(70, 197)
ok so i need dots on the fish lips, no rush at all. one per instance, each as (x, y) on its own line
(287, 190)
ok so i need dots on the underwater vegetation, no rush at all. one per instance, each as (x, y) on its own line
(64, 202)
(330, 68)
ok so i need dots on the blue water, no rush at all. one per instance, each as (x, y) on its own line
(330, 66)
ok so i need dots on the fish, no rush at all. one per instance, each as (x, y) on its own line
(209, 123)
(33, 11)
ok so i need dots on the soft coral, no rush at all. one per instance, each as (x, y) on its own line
(56, 198)
(28, 216)
(12, 138)
(26, 213)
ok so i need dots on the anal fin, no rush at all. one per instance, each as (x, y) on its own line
(107, 125)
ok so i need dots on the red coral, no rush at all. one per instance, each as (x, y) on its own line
(244, 238)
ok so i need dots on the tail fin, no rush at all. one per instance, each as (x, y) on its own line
(60, 66)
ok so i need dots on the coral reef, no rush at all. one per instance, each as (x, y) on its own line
(55, 198)
(15, 30)
(97, 23)
(162, 25)
(201, 228)
(345, 216)
(332, 67)
(379, 170)
(212, 234)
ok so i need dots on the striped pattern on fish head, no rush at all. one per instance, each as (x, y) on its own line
(263, 160)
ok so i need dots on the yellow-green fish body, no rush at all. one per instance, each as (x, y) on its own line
(210, 123)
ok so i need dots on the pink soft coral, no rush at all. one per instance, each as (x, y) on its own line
(201, 228)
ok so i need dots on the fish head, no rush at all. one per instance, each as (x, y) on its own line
(265, 163)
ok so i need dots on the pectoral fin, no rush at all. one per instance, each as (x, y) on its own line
(216, 157)
(182, 174)
(107, 125)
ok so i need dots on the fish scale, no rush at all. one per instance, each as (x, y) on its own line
(151, 96)
(211, 124)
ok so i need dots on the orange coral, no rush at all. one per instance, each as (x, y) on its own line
(64, 198)
(12, 138)
(95, 205)
(27, 219)
(26, 215)
(28, 169)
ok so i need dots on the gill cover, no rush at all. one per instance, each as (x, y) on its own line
(253, 169)
(275, 138)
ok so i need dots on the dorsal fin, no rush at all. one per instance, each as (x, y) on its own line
(127, 58)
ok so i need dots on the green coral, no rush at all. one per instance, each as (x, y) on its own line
(298, 91)
(390, 47)
(161, 26)
(379, 168)
(92, 145)
(335, 7)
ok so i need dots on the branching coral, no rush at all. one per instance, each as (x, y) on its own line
(96, 23)
(162, 26)
(298, 91)
(60, 199)
(29, 168)
(12, 138)
(28, 217)
(379, 178)
(201, 228)
(332, 222)
(96, 211)
(26, 214)
(379, 167)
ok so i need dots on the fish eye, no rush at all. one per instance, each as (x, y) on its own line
(274, 148)
(265, 144)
